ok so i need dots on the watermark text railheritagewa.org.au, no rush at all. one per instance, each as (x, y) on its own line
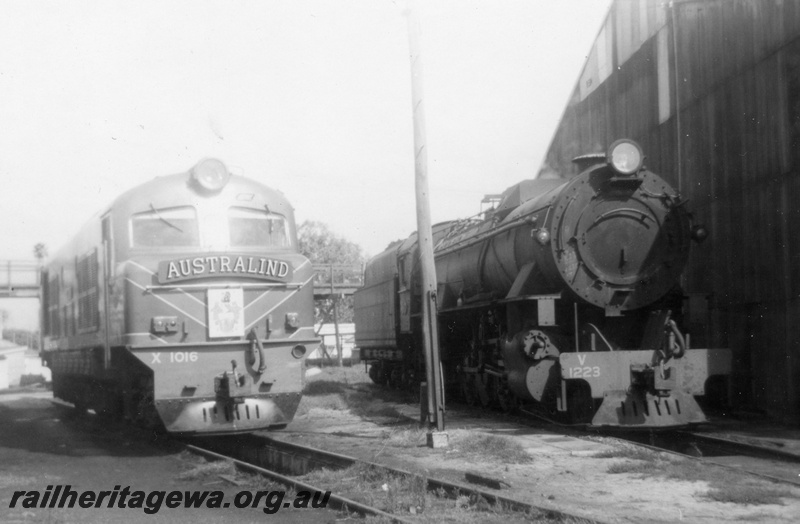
(151, 502)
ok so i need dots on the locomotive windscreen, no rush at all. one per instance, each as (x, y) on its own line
(175, 226)
(256, 228)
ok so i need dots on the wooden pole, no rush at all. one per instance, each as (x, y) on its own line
(336, 329)
(335, 300)
(424, 233)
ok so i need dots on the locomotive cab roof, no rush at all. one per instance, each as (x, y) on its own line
(167, 188)
(180, 189)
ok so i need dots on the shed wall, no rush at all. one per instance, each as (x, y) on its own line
(711, 90)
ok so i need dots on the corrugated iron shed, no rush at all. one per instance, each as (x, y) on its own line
(711, 90)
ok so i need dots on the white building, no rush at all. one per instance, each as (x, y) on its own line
(327, 332)
(12, 364)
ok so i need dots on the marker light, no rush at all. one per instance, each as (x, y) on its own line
(542, 236)
(299, 351)
(211, 174)
(625, 157)
(699, 233)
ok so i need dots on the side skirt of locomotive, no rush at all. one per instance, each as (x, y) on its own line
(212, 388)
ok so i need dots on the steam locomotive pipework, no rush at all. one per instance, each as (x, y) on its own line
(565, 295)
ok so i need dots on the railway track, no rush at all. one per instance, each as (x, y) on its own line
(723, 444)
(282, 461)
(711, 446)
(338, 500)
(768, 463)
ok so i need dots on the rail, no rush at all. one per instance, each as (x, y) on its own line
(264, 454)
(750, 459)
(339, 500)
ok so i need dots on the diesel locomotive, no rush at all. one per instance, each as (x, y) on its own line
(185, 303)
(564, 297)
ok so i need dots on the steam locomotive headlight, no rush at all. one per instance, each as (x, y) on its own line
(625, 157)
(211, 174)
(542, 236)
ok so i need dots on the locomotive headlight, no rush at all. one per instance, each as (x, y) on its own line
(625, 157)
(211, 174)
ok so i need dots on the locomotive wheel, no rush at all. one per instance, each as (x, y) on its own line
(80, 390)
(396, 378)
(409, 380)
(579, 403)
(375, 374)
(379, 373)
(468, 390)
(482, 390)
(506, 399)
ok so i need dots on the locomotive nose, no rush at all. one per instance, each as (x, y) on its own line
(620, 244)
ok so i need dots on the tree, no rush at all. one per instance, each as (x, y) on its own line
(323, 246)
(40, 252)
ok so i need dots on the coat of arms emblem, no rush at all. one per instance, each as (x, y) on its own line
(225, 313)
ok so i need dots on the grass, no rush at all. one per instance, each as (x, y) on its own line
(408, 438)
(640, 461)
(367, 407)
(488, 448)
(256, 482)
(747, 495)
(641, 468)
(205, 470)
(333, 390)
(405, 495)
(724, 485)
(323, 387)
(346, 375)
(648, 463)
(376, 487)
(633, 452)
(330, 390)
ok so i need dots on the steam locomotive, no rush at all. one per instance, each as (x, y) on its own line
(185, 303)
(563, 297)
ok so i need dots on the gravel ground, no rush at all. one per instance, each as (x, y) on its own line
(45, 444)
(589, 477)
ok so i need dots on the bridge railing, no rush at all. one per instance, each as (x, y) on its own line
(338, 278)
(19, 278)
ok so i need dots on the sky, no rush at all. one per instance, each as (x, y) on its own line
(309, 97)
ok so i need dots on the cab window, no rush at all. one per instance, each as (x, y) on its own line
(168, 227)
(257, 228)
